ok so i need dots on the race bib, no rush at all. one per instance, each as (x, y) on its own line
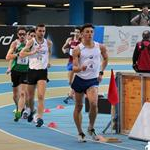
(39, 58)
(90, 65)
(22, 61)
(37, 62)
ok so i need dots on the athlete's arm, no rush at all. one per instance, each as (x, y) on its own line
(135, 55)
(76, 55)
(135, 20)
(66, 46)
(49, 43)
(104, 56)
(26, 51)
(10, 54)
(9, 67)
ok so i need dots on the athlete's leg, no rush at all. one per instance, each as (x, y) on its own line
(22, 96)
(71, 91)
(15, 96)
(77, 111)
(22, 100)
(92, 95)
(41, 88)
(31, 95)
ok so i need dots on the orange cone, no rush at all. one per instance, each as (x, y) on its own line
(52, 125)
(47, 110)
(60, 107)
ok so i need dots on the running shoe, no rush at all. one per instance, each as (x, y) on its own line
(17, 116)
(40, 122)
(67, 99)
(93, 134)
(30, 117)
(26, 113)
(81, 137)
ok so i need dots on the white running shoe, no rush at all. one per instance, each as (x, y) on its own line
(93, 134)
(26, 113)
(81, 137)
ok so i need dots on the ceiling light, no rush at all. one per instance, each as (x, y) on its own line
(35, 5)
(66, 5)
(102, 7)
(0, 3)
(127, 6)
(120, 9)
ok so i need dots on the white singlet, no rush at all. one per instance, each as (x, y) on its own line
(40, 59)
(90, 57)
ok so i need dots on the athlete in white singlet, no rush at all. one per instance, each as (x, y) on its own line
(89, 67)
(38, 50)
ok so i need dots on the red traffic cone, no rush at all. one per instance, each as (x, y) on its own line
(60, 107)
(52, 125)
(47, 110)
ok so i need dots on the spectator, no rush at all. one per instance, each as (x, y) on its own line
(141, 55)
(142, 19)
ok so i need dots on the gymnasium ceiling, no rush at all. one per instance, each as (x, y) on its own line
(59, 3)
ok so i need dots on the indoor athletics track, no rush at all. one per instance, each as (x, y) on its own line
(25, 136)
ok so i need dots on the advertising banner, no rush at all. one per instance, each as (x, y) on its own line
(121, 41)
(7, 35)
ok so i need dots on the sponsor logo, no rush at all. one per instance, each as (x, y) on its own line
(6, 40)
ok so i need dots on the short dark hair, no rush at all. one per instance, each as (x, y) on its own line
(146, 35)
(31, 30)
(21, 28)
(87, 25)
(40, 25)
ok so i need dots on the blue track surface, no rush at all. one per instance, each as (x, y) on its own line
(66, 137)
(6, 87)
(63, 68)
(65, 124)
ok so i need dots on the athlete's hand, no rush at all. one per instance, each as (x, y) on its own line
(36, 50)
(99, 78)
(83, 68)
(49, 65)
(8, 71)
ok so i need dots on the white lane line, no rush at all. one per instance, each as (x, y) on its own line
(63, 132)
(110, 144)
(35, 100)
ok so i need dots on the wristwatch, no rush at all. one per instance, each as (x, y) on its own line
(101, 73)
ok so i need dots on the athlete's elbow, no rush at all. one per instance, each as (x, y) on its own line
(7, 57)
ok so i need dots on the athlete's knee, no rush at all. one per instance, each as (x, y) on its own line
(79, 107)
(93, 104)
(22, 94)
(40, 97)
(15, 96)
